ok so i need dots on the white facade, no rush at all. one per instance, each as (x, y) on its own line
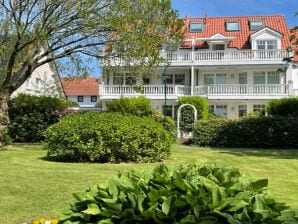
(235, 81)
(44, 81)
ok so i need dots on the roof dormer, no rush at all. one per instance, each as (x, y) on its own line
(217, 40)
(266, 34)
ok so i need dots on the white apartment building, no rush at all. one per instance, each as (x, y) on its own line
(236, 63)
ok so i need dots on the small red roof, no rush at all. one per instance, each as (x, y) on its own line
(215, 25)
(81, 86)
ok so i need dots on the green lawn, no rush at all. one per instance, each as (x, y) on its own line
(31, 187)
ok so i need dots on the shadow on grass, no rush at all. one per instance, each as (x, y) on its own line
(269, 153)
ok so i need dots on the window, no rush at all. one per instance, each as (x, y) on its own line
(221, 110)
(118, 79)
(176, 79)
(233, 26)
(210, 79)
(242, 110)
(167, 110)
(273, 78)
(196, 27)
(37, 83)
(179, 79)
(218, 109)
(93, 98)
(27, 83)
(124, 79)
(266, 44)
(259, 78)
(218, 47)
(256, 24)
(80, 98)
(243, 78)
(259, 108)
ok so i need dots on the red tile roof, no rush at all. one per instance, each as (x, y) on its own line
(81, 86)
(214, 25)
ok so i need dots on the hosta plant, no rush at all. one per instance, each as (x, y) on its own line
(183, 194)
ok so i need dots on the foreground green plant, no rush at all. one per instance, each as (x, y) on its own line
(183, 194)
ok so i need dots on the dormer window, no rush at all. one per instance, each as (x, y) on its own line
(233, 26)
(256, 24)
(196, 27)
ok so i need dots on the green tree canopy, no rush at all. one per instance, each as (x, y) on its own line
(35, 32)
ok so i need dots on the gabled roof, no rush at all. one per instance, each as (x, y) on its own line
(81, 86)
(215, 25)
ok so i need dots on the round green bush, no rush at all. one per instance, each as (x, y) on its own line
(107, 137)
(184, 194)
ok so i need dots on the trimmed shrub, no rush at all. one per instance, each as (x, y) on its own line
(283, 107)
(200, 103)
(256, 132)
(183, 194)
(107, 137)
(206, 132)
(139, 106)
(31, 115)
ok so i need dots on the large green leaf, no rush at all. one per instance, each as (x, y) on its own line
(92, 209)
(168, 203)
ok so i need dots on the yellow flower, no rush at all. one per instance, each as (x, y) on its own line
(42, 220)
(54, 221)
(35, 222)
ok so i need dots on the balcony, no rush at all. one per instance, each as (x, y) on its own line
(227, 91)
(218, 57)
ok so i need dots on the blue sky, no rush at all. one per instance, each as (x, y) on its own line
(198, 8)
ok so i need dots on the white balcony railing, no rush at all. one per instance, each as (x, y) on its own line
(206, 91)
(239, 89)
(195, 56)
(149, 90)
(219, 56)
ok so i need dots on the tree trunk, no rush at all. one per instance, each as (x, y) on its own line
(4, 119)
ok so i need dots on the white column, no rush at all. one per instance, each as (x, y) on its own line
(192, 76)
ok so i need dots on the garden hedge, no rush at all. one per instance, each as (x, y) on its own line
(183, 194)
(283, 107)
(31, 115)
(256, 132)
(107, 137)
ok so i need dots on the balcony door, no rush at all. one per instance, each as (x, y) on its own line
(215, 82)
(243, 82)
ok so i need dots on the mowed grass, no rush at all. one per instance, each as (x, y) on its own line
(31, 187)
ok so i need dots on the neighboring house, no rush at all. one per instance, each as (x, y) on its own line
(84, 91)
(235, 62)
(44, 81)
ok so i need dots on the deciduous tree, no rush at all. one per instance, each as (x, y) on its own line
(35, 32)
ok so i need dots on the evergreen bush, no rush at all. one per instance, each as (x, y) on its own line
(139, 106)
(183, 194)
(200, 103)
(31, 115)
(257, 132)
(283, 107)
(107, 137)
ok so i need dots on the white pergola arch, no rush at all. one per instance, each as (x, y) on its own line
(179, 114)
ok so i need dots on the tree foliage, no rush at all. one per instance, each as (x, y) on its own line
(36, 32)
